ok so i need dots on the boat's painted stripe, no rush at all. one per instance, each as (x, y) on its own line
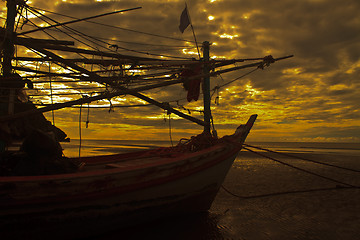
(119, 190)
(71, 176)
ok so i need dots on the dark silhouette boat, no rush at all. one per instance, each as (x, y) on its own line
(81, 196)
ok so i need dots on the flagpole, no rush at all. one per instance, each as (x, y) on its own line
(192, 28)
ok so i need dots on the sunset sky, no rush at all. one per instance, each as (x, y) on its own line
(314, 96)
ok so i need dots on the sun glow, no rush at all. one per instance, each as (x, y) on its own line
(292, 71)
(225, 35)
(187, 51)
(252, 91)
(339, 87)
(353, 67)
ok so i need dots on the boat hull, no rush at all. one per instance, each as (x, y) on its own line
(190, 194)
(117, 191)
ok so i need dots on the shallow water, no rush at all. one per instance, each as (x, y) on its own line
(99, 147)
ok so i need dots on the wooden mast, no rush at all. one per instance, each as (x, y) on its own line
(206, 86)
(8, 48)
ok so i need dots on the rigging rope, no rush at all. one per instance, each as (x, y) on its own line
(69, 29)
(125, 29)
(19, 10)
(114, 106)
(38, 26)
(286, 192)
(338, 187)
(218, 87)
(60, 65)
(80, 139)
(75, 88)
(170, 130)
(300, 169)
(85, 36)
(88, 116)
(60, 94)
(51, 96)
(305, 159)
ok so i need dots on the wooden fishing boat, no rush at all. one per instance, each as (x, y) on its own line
(105, 192)
(123, 189)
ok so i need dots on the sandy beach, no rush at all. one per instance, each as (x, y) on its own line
(324, 214)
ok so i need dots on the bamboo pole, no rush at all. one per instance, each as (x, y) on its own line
(123, 90)
(8, 49)
(206, 86)
(85, 51)
(134, 92)
(77, 20)
(260, 63)
(19, 40)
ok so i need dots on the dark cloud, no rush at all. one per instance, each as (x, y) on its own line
(318, 87)
(334, 132)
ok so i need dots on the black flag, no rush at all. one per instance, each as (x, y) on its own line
(184, 20)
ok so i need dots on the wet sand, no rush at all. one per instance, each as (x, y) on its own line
(297, 213)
